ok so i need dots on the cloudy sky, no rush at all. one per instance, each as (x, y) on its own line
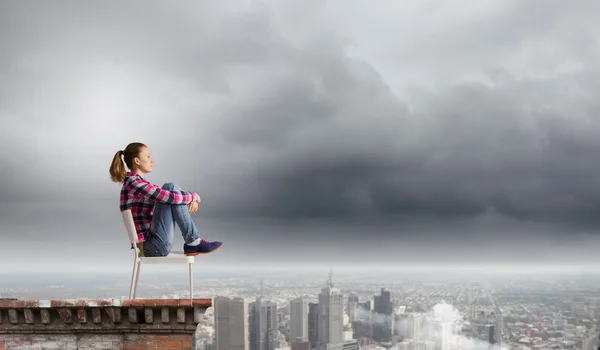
(318, 133)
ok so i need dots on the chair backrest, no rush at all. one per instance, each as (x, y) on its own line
(130, 226)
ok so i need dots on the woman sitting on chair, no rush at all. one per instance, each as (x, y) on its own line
(154, 209)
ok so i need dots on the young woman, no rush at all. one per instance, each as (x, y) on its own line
(154, 208)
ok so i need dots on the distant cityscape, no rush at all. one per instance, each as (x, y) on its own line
(354, 313)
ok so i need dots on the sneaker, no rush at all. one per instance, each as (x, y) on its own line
(204, 247)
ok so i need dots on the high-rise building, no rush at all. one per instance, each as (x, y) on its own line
(313, 324)
(299, 319)
(330, 318)
(424, 345)
(491, 334)
(352, 307)
(383, 308)
(497, 320)
(264, 331)
(445, 340)
(365, 309)
(401, 325)
(362, 329)
(300, 344)
(231, 323)
(350, 345)
(414, 326)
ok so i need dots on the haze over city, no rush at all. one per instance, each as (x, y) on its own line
(317, 133)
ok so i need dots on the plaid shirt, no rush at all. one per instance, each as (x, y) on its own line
(139, 196)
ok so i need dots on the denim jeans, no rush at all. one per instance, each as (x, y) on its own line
(160, 240)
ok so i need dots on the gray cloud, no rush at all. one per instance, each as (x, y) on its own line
(283, 116)
(472, 148)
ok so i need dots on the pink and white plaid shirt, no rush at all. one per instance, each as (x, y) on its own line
(140, 196)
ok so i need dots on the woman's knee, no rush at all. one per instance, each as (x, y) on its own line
(170, 186)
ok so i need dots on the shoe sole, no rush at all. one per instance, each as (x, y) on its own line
(199, 253)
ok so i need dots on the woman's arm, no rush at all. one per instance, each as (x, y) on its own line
(155, 193)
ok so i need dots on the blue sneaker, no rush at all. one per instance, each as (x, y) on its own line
(204, 247)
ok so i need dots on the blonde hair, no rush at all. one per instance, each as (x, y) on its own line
(117, 167)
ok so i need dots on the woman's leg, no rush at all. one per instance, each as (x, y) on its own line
(163, 225)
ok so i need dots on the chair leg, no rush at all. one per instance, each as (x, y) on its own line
(137, 277)
(133, 274)
(191, 282)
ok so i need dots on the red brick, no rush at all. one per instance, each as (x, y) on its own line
(172, 302)
(2, 345)
(137, 302)
(8, 304)
(80, 302)
(158, 337)
(149, 302)
(32, 303)
(61, 303)
(130, 344)
(105, 302)
(145, 344)
(185, 302)
(186, 345)
(168, 344)
(202, 302)
(180, 337)
(161, 302)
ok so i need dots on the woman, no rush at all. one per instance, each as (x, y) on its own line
(154, 209)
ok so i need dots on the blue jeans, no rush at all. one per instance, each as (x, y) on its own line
(160, 240)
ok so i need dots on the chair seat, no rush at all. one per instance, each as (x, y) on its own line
(172, 258)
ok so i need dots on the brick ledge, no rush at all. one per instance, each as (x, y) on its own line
(30, 304)
(106, 316)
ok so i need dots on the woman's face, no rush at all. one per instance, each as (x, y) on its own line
(144, 161)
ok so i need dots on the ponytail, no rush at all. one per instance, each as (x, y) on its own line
(117, 168)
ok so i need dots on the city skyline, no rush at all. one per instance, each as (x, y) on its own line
(537, 310)
(413, 134)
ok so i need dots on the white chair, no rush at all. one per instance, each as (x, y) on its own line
(138, 259)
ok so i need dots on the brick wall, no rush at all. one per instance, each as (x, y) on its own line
(96, 342)
(100, 324)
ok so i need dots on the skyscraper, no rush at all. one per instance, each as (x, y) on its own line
(414, 327)
(446, 335)
(264, 332)
(352, 307)
(298, 319)
(401, 325)
(301, 345)
(382, 329)
(313, 324)
(231, 323)
(331, 318)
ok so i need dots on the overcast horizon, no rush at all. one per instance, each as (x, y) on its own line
(317, 133)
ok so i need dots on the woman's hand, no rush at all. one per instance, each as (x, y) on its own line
(193, 207)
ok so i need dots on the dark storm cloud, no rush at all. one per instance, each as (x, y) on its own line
(526, 150)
